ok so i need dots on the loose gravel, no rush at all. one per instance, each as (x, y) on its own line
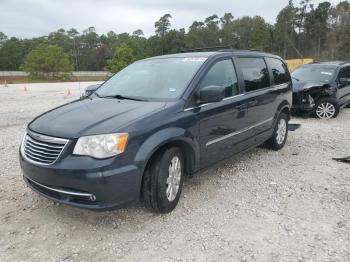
(291, 205)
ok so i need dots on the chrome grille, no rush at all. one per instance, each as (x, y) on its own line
(41, 149)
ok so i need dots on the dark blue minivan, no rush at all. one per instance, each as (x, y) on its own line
(154, 122)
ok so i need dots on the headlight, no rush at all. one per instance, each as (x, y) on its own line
(101, 146)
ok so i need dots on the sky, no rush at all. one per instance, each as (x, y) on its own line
(32, 18)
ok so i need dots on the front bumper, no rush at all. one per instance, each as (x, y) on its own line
(103, 187)
(302, 102)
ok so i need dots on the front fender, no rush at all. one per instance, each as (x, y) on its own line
(162, 137)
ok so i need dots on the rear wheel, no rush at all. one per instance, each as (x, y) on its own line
(280, 133)
(326, 108)
(163, 179)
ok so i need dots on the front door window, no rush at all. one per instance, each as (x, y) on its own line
(222, 74)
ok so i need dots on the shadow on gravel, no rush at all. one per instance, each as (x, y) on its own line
(303, 115)
(293, 127)
(343, 159)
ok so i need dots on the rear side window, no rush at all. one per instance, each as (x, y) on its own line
(222, 74)
(279, 71)
(255, 73)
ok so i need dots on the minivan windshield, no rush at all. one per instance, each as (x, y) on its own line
(159, 79)
(313, 73)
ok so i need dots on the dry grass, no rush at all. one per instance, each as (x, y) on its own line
(25, 79)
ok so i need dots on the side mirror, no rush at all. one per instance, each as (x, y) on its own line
(89, 90)
(343, 81)
(211, 94)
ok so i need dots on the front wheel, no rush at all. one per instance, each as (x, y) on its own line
(280, 133)
(326, 109)
(163, 179)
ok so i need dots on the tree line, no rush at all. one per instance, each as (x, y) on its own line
(301, 30)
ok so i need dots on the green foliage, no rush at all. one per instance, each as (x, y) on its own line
(48, 62)
(122, 57)
(11, 54)
(162, 25)
(284, 33)
(3, 38)
(301, 30)
(252, 33)
(228, 29)
(340, 31)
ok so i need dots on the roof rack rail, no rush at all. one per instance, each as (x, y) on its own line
(209, 48)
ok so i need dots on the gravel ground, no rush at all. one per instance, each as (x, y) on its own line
(292, 205)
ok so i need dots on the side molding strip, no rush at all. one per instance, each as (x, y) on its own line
(238, 132)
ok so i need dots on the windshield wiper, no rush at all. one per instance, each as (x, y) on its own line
(122, 97)
(296, 78)
(129, 98)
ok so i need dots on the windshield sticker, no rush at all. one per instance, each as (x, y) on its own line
(326, 73)
(194, 59)
(172, 89)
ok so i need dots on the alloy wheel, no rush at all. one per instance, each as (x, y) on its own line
(281, 131)
(325, 110)
(174, 178)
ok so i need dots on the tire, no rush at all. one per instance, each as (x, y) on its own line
(280, 133)
(158, 181)
(326, 108)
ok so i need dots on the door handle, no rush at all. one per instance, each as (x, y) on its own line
(241, 106)
(253, 102)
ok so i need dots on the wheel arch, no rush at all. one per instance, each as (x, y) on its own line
(167, 138)
(327, 97)
(283, 107)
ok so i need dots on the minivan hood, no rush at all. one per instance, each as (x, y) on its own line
(91, 116)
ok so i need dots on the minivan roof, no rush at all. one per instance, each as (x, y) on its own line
(213, 53)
